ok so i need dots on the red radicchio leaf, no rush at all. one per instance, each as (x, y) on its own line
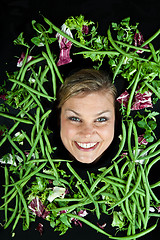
(38, 208)
(39, 228)
(64, 56)
(85, 29)
(140, 101)
(142, 140)
(138, 41)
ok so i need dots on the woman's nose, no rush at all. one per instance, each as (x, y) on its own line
(87, 130)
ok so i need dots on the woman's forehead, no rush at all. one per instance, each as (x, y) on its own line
(93, 102)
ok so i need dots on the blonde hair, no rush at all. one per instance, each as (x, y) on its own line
(85, 81)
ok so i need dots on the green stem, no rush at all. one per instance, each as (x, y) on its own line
(78, 44)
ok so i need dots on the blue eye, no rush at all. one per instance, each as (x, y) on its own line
(102, 119)
(74, 119)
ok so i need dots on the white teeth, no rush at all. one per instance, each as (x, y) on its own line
(86, 145)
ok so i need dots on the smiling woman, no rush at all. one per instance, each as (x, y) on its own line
(87, 103)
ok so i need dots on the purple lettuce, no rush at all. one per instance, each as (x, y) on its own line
(140, 100)
(65, 46)
(21, 59)
(37, 207)
(138, 41)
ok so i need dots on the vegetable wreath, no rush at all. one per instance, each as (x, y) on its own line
(35, 183)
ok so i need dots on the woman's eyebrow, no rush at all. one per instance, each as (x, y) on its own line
(98, 114)
(70, 110)
(103, 112)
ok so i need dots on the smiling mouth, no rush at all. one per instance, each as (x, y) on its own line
(86, 146)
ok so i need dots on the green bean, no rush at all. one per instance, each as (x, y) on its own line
(36, 140)
(9, 133)
(118, 197)
(16, 147)
(129, 139)
(86, 188)
(152, 89)
(132, 46)
(133, 217)
(152, 163)
(147, 160)
(15, 118)
(135, 198)
(98, 52)
(137, 235)
(101, 190)
(140, 157)
(133, 91)
(46, 160)
(146, 150)
(37, 126)
(31, 89)
(122, 143)
(52, 60)
(21, 69)
(69, 199)
(6, 189)
(128, 193)
(152, 193)
(66, 35)
(147, 197)
(122, 183)
(154, 185)
(26, 137)
(72, 207)
(154, 215)
(24, 204)
(38, 82)
(121, 61)
(52, 72)
(13, 192)
(29, 116)
(128, 210)
(26, 106)
(44, 73)
(24, 101)
(47, 141)
(80, 190)
(129, 230)
(52, 164)
(13, 214)
(8, 193)
(107, 194)
(136, 140)
(16, 221)
(27, 171)
(109, 181)
(123, 168)
(43, 175)
(150, 57)
(29, 64)
(45, 115)
(120, 50)
(153, 52)
(88, 223)
(117, 169)
(27, 177)
(102, 175)
(151, 38)
(130, 178)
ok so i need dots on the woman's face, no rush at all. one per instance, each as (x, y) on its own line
(87, 125)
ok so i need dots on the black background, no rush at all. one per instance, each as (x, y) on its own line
(16, 17)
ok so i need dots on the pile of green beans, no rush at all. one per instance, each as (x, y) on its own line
(124, 186)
